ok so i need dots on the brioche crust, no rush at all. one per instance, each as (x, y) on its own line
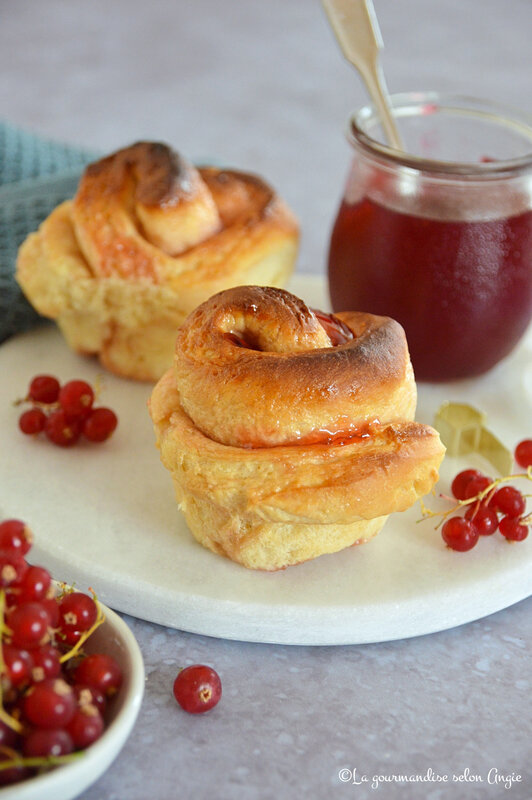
(288, 382)
(316, 490)
(146, 239)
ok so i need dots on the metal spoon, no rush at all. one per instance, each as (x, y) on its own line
(355, 26)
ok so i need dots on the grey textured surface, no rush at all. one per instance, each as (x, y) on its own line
(262, 86)
(291, 718)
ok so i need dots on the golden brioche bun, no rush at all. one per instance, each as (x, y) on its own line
(289, 433)
(145, 240)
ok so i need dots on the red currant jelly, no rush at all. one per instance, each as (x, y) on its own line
(462, 290)
(438, 235)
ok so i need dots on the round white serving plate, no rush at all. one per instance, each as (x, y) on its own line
(105, 516)
(69, 780)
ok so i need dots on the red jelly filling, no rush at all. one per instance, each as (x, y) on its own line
(336, 330)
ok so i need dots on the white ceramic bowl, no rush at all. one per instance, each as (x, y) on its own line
(68, 781)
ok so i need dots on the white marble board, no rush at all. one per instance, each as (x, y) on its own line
(105, 516)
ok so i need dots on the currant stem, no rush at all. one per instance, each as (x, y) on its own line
(39, 761)
(36, 403)
(98, 386)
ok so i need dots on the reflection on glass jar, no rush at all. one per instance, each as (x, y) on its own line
(440, 236)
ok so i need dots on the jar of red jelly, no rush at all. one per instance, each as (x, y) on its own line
(439, 236)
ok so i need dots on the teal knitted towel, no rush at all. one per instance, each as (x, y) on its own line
(36, 175)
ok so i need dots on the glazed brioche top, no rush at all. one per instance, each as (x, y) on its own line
(255, 367)
(149, 183)
(146, 213)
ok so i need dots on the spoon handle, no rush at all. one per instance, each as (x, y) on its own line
(355, 26)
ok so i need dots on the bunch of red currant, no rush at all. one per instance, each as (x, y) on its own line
(65, 412)
(489, 506)
(52, 696)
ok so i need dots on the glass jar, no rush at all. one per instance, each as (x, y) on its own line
(439, 236)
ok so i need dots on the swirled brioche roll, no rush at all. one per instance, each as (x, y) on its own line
(146, 239)
(289, 433)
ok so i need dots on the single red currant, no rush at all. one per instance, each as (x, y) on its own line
(197, 688)
(32, 421)
(33, 586)
(512, 529)
(101, 671)
(51, 607)
(77, 612)
(69, 637)
(15, 535)
(13, 566)
(50, 704)
(29, 625)
(86, 726)
(459, 534)
(476, 485)
(47, 742)
(43, 389)
(509, 501)
(62, 430)
(460, 482)
(18, 665)
(76, 399)
(100, 424)
(46, 663)
(523, 453)
(483, 517)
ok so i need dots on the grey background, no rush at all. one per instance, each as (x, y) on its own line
(262, 86)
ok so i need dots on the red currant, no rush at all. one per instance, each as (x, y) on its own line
(62, 430)
(460, 482)
(100, 671)
(76, 399)
(50, 704)
(85, 726)
(13, 566)
(483, 518)
(43, 389)
(69, 636)
(46, 663)
(51, 606)
(18, 665)
(33, 586)
(512, 529)
(90, 695)
(476, 485)
(47, 742)
(15, 535)
(197, 688)
(509, 501)
(100, 425)
(523, 453)
(77, 611)
(29, 625)
(459, 534)
(32, 421)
